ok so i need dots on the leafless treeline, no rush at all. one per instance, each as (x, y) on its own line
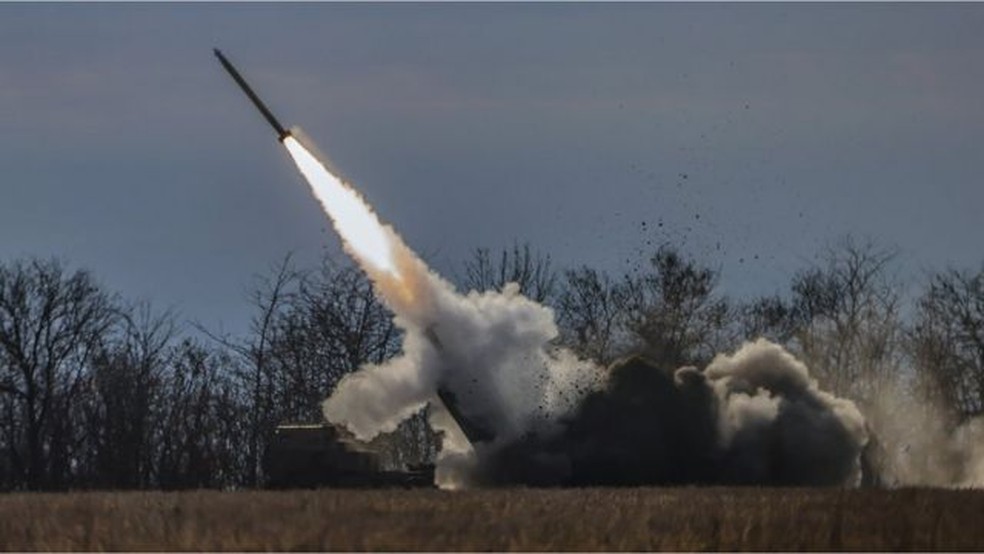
(99, 392)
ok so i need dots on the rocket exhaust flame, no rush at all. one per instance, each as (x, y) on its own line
(360, 228)
(375, 246)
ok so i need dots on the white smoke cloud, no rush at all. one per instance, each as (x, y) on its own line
(918, 444)
(492, 350)
(969, 440)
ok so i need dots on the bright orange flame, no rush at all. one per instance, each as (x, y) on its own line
(354, 220)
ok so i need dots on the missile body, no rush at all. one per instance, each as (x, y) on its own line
(281, 132)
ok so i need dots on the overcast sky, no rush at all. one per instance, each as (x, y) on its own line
(751, 135)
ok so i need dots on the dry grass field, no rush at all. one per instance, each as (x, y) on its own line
(516, 519)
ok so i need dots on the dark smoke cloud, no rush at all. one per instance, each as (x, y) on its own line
(755, 417)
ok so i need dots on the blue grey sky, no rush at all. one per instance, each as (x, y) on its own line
(751, 135)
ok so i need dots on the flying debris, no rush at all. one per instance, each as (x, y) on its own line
(281, 132)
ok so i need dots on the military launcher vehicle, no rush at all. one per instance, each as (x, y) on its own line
(323, 455)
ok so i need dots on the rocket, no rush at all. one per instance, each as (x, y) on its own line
(281, 132)
(474, 429)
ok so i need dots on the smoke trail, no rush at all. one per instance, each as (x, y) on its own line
(491, 350)
(361, 231)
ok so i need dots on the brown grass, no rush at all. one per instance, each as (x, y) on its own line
(518, 519)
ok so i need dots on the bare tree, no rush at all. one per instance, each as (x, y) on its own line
(202, 421)
(674, 313)
(270, 296)
(532, 271)
(770, 317)
(126, 378)
(591, 314)
(847, 316)
(948, 340)
(668, 312)
(51, 322)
